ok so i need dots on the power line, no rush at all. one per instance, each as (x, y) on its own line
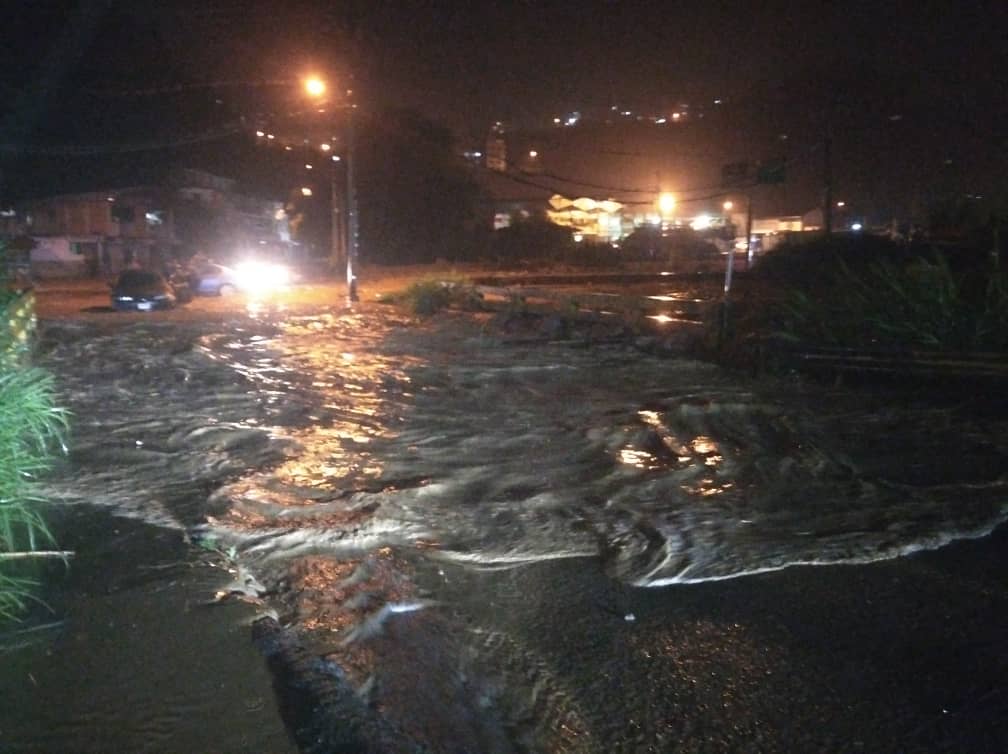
(716, 192)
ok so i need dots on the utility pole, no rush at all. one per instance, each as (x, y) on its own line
(828, 171)
(351, 202)
(748, 230)
(337, 240)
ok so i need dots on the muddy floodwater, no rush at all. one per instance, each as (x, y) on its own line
(450, 536)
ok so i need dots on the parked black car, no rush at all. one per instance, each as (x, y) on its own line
(142, 290)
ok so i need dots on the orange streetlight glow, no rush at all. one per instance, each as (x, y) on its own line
(315, 86)
(666, 203)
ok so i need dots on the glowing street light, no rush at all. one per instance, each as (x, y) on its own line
(728, 205)
(305, 191)
(314, 86)
(666, 203)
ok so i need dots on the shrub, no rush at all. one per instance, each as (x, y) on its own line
(428, 297)
(531, 240)
(31, 426)
(893, 300)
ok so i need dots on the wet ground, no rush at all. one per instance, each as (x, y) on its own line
(469, 535)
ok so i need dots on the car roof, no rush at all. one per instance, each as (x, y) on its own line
(137, 276)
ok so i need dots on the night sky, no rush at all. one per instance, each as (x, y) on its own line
(912, 90)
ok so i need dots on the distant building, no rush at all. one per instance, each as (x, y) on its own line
(229, 223)
(100, 233)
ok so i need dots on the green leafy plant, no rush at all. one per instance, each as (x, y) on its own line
(428, 297)
(31, 426)
(32, 429)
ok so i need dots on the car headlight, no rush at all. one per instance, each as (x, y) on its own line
(124, 298)
(259, 276)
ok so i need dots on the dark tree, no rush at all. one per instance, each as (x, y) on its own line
(417, 202)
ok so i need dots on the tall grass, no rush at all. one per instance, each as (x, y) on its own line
(921, 304)
(32, 428)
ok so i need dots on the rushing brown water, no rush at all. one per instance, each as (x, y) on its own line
(439, 524)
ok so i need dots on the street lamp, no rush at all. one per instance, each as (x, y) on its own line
(666, 204)
(316, 88)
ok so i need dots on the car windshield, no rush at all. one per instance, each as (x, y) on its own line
(138, 278)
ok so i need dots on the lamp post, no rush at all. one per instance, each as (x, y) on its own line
(352, 230)
(316, 88)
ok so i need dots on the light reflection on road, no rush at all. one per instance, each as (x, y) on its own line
(362, 466)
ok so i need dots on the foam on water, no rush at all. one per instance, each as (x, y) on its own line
(335, 458)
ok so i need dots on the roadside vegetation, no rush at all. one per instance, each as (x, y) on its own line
(870, 293)
(32, 429)
(427, 297)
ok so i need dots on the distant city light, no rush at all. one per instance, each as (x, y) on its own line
(335, 158)
(856, 226)
(701, 222)
(841, 204)
(307, 166)
(666, 203)
(717, 102)
(288, 147)
(260, 134)
(305, 191)
(660, 120)
(325, 147)
(557, 121)
(270, 136)
(728, 205)
(676, 116)
(533, 153)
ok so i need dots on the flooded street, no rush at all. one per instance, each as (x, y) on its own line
(443, 536)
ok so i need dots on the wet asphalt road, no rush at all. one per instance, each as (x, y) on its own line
(902, 655)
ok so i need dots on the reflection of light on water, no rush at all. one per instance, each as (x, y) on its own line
(681, 296)
(636, 458)
(704, 445)
(707, 488)
(650, 417)
(257, 307)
